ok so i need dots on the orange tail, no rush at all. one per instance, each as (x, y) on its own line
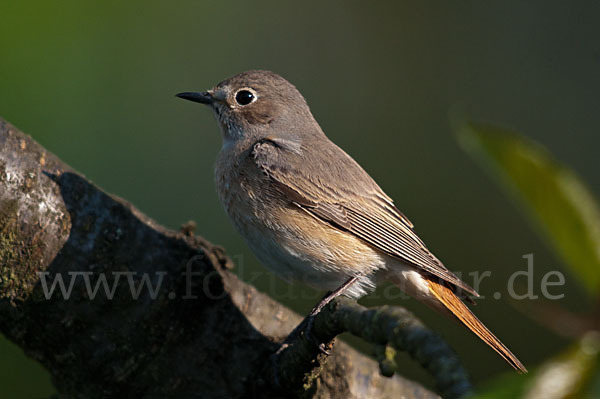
(462, 313)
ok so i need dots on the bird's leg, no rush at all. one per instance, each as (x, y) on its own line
(330, 296)
(333, 294)
(307, 324)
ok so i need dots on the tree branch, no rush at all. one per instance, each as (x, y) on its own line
(304, 352)
(202, 333)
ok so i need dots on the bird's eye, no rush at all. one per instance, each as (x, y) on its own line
(244, 97)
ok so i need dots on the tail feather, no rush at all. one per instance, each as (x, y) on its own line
(447, 297)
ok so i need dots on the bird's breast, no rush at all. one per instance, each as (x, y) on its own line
(245, 192)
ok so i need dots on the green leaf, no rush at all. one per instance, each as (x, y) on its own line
(560, 204)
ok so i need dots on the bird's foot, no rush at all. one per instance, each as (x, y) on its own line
(308, 333)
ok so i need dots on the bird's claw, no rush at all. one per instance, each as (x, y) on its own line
(310, 321)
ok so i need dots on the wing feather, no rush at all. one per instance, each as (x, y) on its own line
(344, 195)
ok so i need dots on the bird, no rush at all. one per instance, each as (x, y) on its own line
(311, 213)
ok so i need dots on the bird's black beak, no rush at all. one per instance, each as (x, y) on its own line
(203, 97)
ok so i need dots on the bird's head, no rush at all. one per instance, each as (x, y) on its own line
(257, 104)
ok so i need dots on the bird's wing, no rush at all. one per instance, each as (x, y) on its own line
(330, 185)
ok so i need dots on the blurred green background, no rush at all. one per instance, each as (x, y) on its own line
(94, 82)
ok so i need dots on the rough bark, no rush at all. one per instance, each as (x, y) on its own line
(218, 344)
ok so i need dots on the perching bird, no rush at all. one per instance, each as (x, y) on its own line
(310, 212)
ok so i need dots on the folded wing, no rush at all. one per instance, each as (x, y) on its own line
(342, 194)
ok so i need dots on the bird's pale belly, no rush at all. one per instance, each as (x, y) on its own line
(295, 245)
